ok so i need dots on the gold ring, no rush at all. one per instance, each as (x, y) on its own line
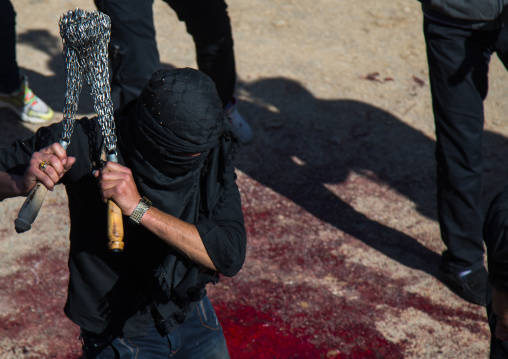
(43, 166)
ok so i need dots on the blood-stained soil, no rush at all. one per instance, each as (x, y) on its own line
(35, 326)
(338, 188)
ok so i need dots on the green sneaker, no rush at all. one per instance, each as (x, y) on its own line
(26, 104)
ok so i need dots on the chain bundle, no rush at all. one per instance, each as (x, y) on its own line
(85, 37)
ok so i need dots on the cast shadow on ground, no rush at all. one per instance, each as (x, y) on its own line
(331, 139)
(51, 88)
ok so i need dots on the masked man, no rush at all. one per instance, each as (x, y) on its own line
(175, 181)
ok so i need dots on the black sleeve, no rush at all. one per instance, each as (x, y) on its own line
(495, 234)
(224, 234)
(14, 159)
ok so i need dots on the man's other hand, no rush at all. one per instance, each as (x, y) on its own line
(116, 183)
(46, 166)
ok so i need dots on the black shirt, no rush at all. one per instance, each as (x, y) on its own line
(117, 293)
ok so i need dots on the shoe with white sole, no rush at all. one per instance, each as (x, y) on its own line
(27, 105)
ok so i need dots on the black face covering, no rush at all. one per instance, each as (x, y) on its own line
(177, 115)
(159, 146)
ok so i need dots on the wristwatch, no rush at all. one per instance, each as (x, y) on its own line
(143, 206)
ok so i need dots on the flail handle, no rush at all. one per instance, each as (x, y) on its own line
(33, 203)
(30, 208)
(115, 227)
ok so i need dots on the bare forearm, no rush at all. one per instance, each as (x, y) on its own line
(178, 234)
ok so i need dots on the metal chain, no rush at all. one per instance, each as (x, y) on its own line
(85, 37)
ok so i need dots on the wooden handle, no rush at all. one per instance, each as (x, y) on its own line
(115, 227)
(30, 208)
(33, 203)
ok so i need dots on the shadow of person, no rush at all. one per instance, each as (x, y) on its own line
(51, 88)
(303, 143)
(46, 87)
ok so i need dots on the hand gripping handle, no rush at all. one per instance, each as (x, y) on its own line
(33, 203)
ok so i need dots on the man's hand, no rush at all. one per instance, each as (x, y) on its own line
(56, 164)
(116, 183)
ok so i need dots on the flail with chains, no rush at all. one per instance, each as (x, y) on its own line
(85, 37)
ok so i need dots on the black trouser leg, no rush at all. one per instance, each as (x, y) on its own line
(458, 62)
(209, 24)
(132, 48)
(9, 71)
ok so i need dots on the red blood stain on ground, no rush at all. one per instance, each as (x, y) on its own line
(262, 319)
(279, 306)
(38, 294)
(276, 317)
(251, 334)
(298, 322)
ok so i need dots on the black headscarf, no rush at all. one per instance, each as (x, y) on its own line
(177, 114)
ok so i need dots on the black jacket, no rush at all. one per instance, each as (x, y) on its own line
(495, 235)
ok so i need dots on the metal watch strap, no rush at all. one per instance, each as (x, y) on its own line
(143, 206)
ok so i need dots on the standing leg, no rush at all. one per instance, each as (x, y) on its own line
(458, 62)
(132, 48)
(208, 23)
(9, 72)
(15, 93)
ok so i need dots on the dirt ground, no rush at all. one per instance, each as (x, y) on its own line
(337, 189)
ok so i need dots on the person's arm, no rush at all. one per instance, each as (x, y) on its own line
(57, 163)
(224, 235)
(116, 183)
(178, 234)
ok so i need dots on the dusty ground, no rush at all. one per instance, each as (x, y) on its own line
(338, 188)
